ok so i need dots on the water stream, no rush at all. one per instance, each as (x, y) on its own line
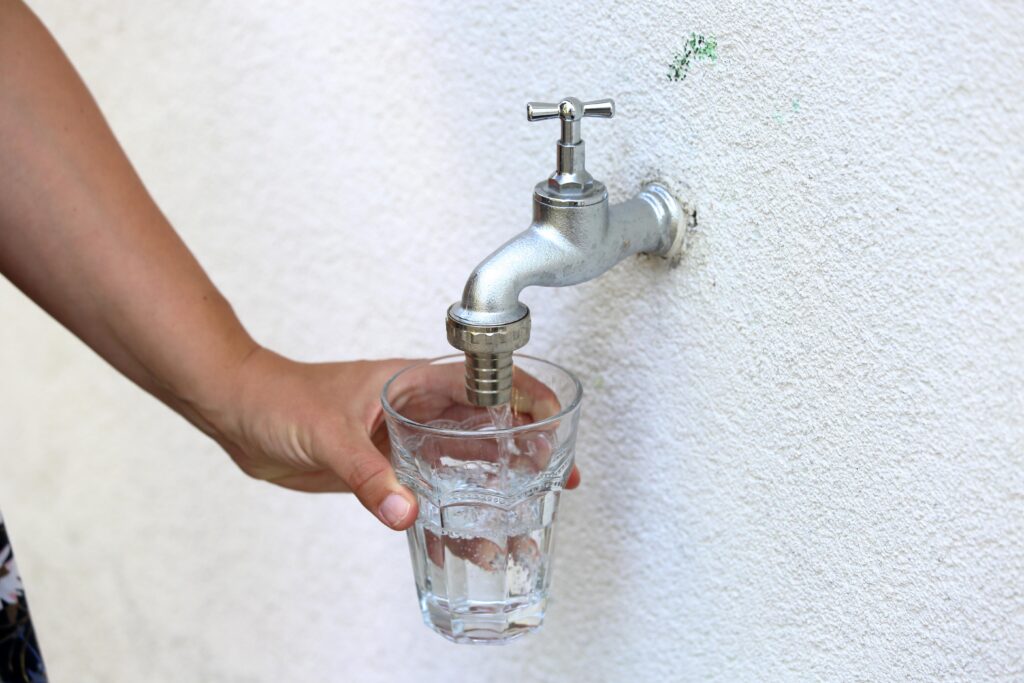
(501, 418)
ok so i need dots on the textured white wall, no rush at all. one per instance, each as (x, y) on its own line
(803, 450)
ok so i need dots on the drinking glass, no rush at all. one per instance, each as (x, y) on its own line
(487, 481)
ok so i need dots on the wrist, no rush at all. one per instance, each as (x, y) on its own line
(214, 402)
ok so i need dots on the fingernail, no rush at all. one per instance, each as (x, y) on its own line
(394, 509)
(521, 403)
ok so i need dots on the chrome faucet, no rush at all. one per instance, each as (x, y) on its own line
(574, 237)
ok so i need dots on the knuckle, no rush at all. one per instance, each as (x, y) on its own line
(364, 471)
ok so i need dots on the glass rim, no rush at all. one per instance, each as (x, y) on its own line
(491, 433)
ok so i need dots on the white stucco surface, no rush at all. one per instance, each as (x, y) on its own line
(802, 450)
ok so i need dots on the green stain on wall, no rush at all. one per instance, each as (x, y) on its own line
(780, 116)
(697, 48)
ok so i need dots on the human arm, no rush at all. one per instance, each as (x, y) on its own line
(81, 236)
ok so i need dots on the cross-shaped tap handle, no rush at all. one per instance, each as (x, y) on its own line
(571, 111)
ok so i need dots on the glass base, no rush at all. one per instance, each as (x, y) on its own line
(482, 623)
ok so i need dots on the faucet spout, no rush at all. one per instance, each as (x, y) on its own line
(571, 240)
(536, 256)
(563, 248)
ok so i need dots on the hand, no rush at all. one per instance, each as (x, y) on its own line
(317, 427)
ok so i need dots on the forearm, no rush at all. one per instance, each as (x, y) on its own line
(80, 235)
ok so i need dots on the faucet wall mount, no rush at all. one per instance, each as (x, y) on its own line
(574, 237)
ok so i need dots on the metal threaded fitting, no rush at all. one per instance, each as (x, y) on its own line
(488, 352)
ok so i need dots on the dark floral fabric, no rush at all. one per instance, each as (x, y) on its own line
(20, 660)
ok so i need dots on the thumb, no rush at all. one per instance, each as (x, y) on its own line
(371, 478)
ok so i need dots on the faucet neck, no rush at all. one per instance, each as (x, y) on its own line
(571, 177)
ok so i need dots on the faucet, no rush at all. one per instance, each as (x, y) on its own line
(574, 237)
